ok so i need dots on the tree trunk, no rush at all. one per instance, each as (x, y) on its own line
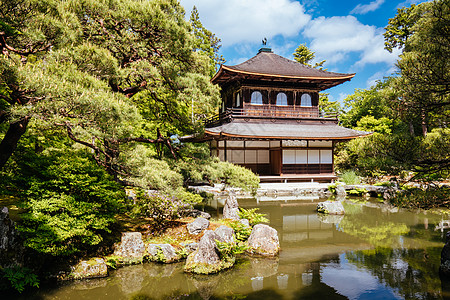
(12, 137)
(424, 125)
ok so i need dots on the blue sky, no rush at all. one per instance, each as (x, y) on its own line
(347, 34)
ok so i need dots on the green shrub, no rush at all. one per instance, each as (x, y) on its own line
(20, 277)
(431, 197)
(70, 203)
(332, 188)
(212, 170)
(161, 208)
(252, 216)
(229, 250)
(241, 231)
(350, 178)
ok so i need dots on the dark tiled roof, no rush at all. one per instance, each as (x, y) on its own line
(330, 131)
(268, 63)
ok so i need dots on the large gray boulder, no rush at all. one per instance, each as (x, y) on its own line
(197, 226)
(93, 268)
(331, 207)
(225, 233)
(206, 259)
(131, 248)
(263, 241)
(231, 208)
(165, 253)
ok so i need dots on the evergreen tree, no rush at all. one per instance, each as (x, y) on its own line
(304, 56)
(206, 42)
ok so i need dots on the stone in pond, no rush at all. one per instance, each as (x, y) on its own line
(93, 268)
(131, 248)
(206, 260)
(331, 207)
(162, 253)
(197, 226)
(263, 241)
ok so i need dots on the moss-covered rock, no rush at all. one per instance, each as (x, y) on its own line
(206, 259)
(331, 207)
(93, 268)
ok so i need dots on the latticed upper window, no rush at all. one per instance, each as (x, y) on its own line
(282, 99)
(256, 98)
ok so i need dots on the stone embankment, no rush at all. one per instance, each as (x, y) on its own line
(309, 189)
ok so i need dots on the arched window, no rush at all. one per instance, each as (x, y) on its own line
(238, 100)
(282, 99)
(306, 100)
(256, 98)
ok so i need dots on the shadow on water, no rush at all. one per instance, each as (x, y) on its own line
(373, 252)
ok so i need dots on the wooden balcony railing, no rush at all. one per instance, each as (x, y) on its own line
(267, 111)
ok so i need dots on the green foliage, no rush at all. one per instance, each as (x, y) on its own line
(237, 176)
(367, 102)
(350, 177)
(252, 216)
(241, 231)
(112, 261)
(370, 123)
(357, 192)
(430, 197)
(230, 250)
(20, 277)
(332, 188)
(206, 42)
(161, 208)
(304, 56)
(198, 167)
(70, 201)
(399, 28)
(160, 257)
(329, 107)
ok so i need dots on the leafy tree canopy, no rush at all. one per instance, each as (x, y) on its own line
(106, 73)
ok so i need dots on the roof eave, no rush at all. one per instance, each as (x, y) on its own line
(223, 67)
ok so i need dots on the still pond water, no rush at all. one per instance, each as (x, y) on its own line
(370, 253)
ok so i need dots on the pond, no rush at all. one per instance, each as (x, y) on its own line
(373, 252)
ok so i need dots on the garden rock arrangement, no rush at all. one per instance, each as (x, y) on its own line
(331, 207)
(263, 241)
(215, 251)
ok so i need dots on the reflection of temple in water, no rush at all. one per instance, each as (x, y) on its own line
(306, 237)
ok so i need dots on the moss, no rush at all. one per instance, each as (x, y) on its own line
(202, 268)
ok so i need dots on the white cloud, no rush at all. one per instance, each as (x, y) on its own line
(372, 80)
(365, 8)
(335, 38)
(237, 21)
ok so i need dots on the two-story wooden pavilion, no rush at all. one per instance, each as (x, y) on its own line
(270, 120)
